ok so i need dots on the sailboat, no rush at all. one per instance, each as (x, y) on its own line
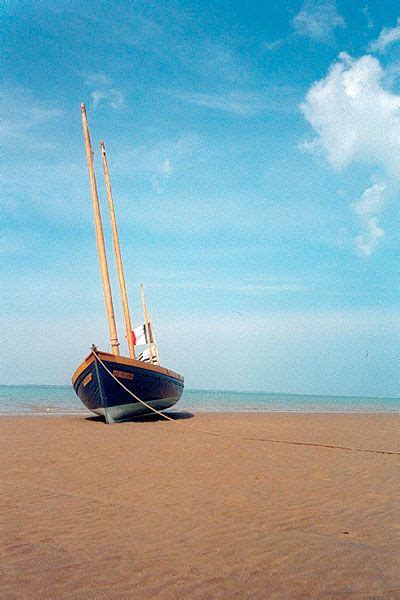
(114, 386)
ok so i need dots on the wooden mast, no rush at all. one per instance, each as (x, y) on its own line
(105, 278)
(154, 339)
(118, 257)
(146, 323)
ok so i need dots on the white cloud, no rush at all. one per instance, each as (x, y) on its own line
(273, 44)
(111, 97)
(388, 36)
(318, 20)
(371, 201)
(310, 146)
(244, 102)
(367, 242)
(97, 79)
(103, 93)
(367, 208)
(241, 103)
(355, 118)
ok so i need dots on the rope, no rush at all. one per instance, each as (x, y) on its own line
(215, 434)
(154, 410)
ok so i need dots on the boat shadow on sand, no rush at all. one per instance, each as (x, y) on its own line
(176, 416)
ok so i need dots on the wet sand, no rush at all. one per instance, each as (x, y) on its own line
(151, 509)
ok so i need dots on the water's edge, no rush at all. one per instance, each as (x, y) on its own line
(62, 401)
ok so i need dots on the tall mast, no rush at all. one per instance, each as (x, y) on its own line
(105, 278)
(118, 257)
(146, 323)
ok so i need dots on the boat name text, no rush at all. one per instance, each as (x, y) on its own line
(122, 375)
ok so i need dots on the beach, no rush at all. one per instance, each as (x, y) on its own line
(274, 505)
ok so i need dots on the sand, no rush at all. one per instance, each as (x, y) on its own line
(151, 509)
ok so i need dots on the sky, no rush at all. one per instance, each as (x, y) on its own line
(254, 153)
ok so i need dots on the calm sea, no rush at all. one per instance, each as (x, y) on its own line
(61, 400)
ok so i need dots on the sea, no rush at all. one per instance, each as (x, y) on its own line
(61, 400)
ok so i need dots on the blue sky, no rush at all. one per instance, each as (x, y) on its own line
(254, 151)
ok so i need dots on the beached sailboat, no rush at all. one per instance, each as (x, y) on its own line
(114, 386)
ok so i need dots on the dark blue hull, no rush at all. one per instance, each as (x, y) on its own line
(103, 394)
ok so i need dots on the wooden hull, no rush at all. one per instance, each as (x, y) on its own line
(102, 394)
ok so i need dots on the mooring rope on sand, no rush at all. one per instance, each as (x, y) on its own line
(215, 434)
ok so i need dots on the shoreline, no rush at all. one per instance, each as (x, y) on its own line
(86, 415)
(62, 401)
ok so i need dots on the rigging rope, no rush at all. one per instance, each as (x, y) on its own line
(154, 410)
(215, 434)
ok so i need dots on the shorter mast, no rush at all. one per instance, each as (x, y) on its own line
(118, 257)
(154, 339)
(146, 323)
(101, 249)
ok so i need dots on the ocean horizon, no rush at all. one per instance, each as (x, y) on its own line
(61, 400)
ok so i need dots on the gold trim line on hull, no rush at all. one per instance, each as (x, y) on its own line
(124, 360)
